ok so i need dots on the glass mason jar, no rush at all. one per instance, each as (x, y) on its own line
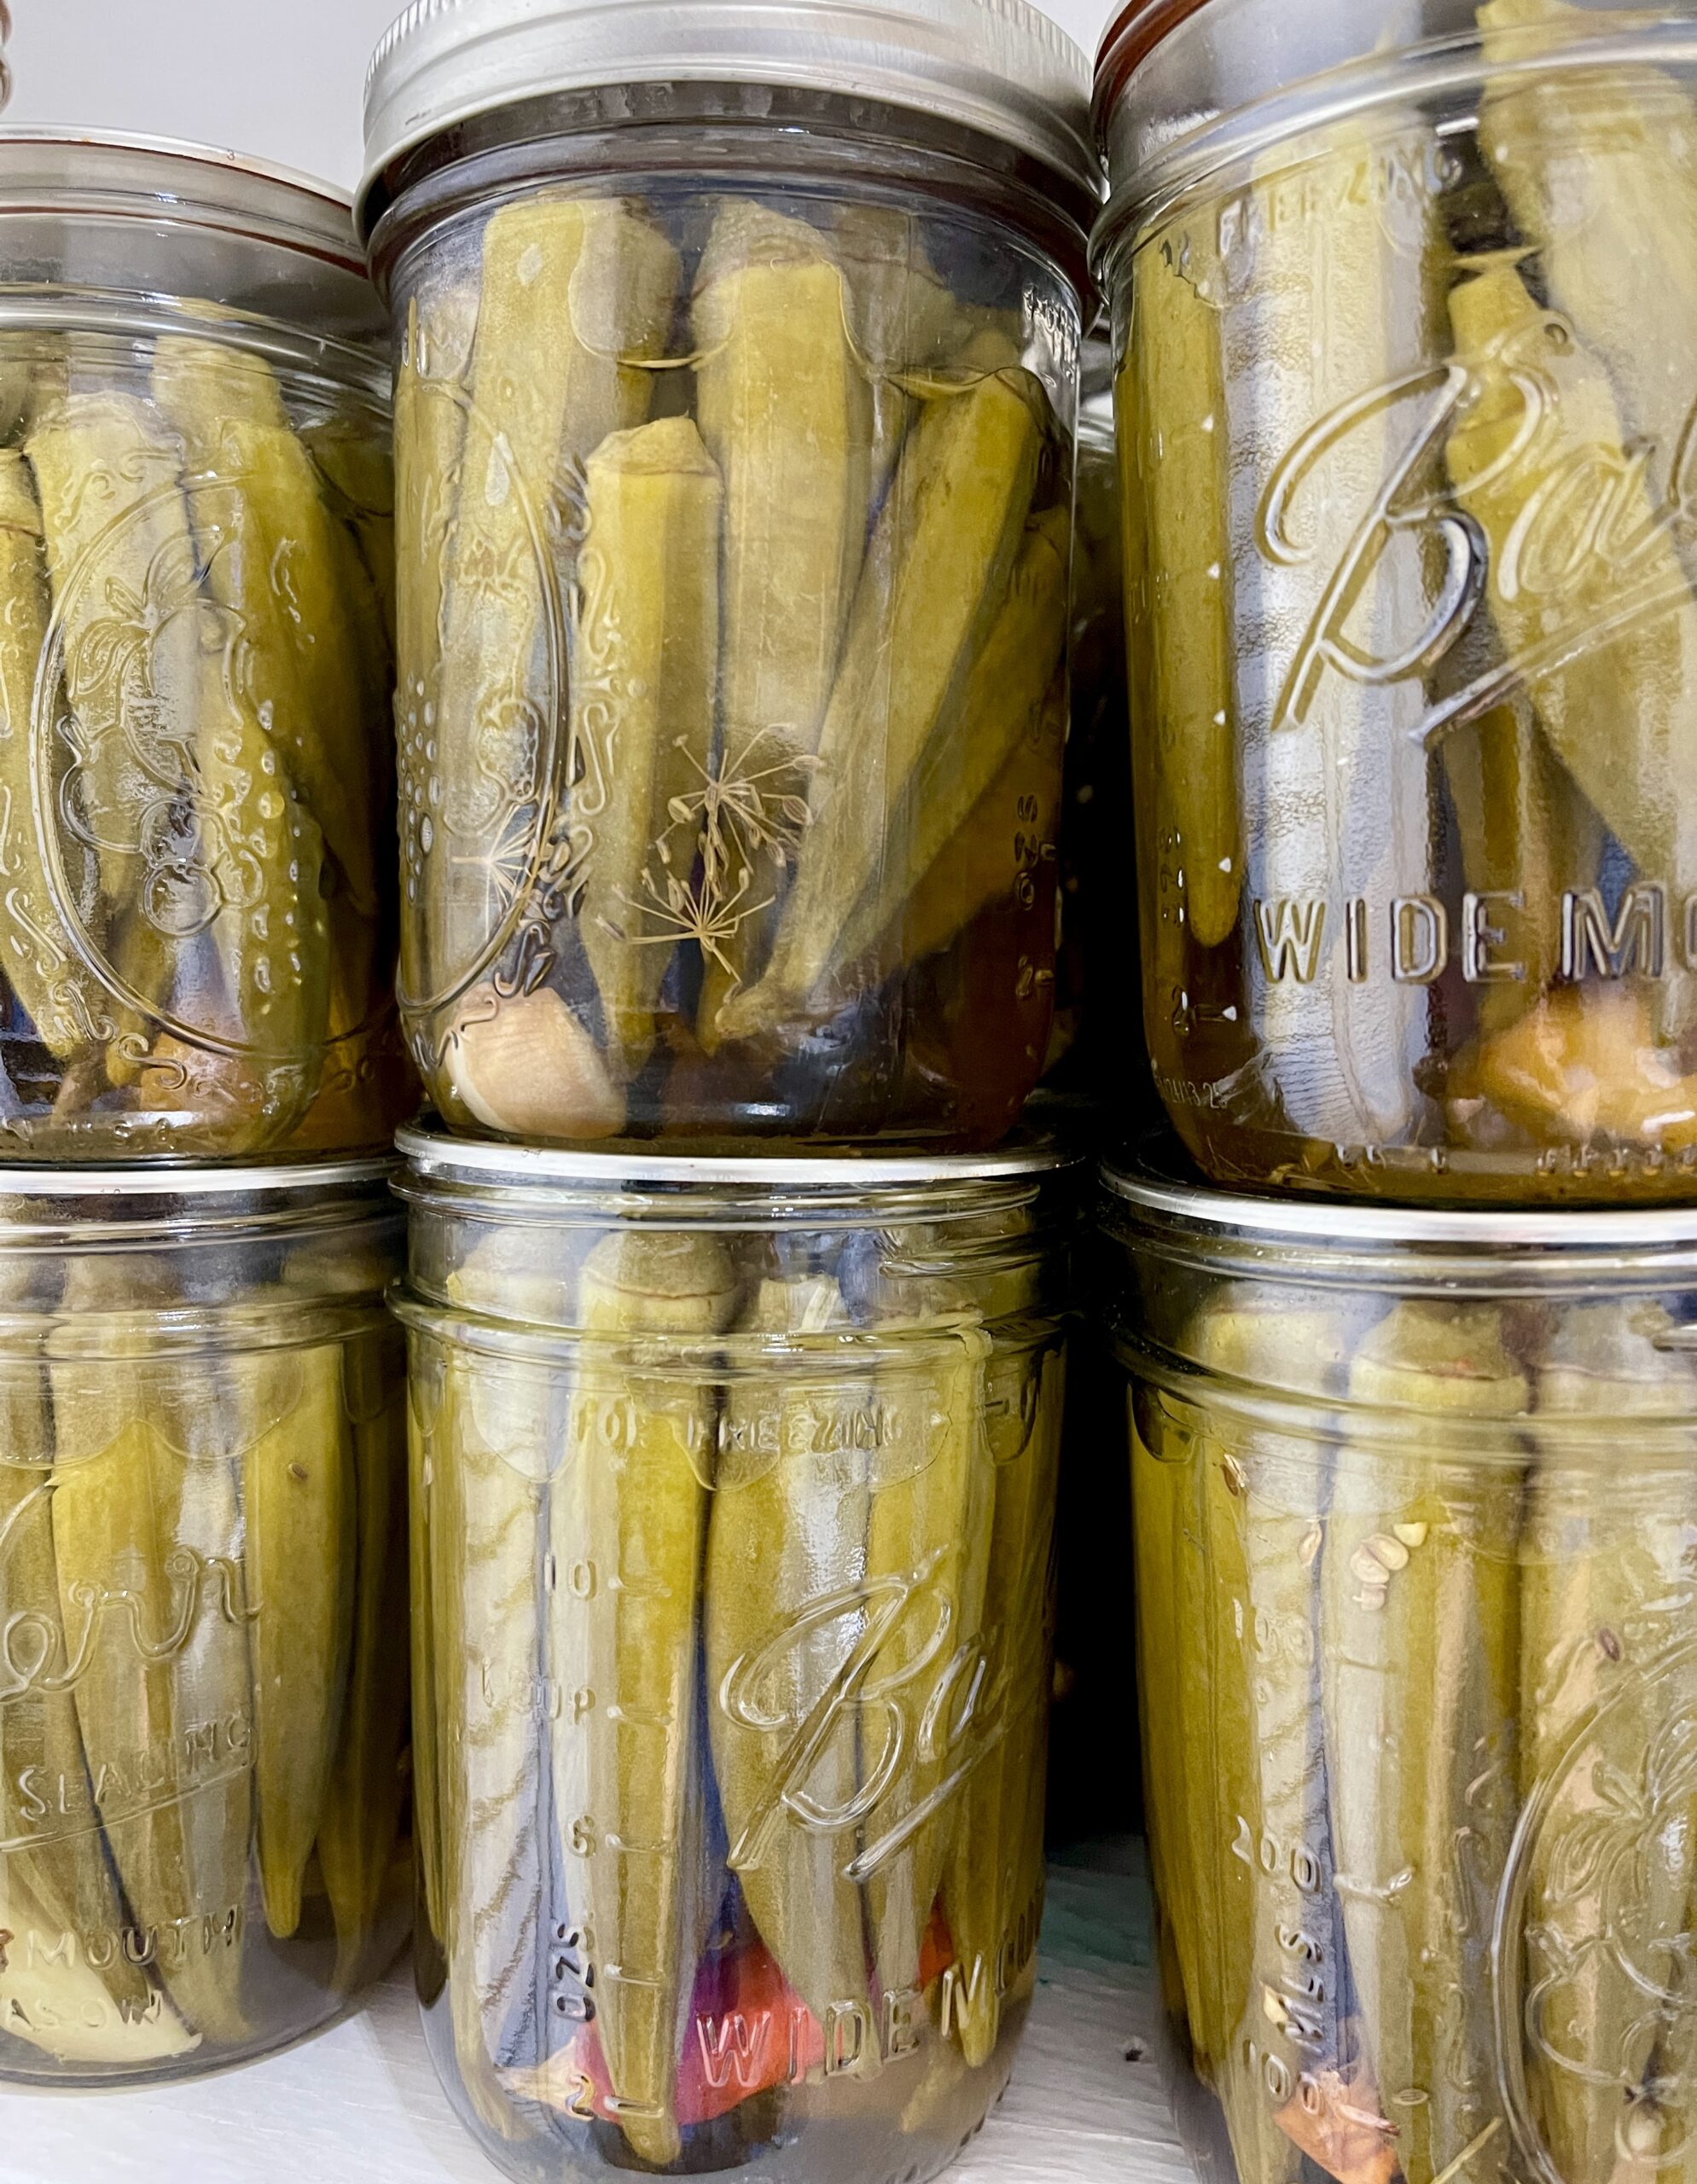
(732, 1498)
(738, 362)
(196, 580)
(1415, 1503)
(203, 1846)
(1405, 303)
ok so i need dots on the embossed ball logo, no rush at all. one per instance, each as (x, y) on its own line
(163, 831)
(1594, 1958)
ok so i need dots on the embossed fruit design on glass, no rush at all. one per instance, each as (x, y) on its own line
(732, 1510)
(196, 580)
(733, 525)
(1405, 401)
(1415, 1513)
(205, 1850)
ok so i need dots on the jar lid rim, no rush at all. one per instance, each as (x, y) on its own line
(1130, 38)
(1000, 67)
(430, 1152)
(305, 194)
(1315, 1223)
(195, 1179)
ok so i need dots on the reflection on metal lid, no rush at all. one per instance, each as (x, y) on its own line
(432, 1152)
(999, 66)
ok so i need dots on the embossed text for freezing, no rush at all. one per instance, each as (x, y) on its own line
(1586, 558)
(1413, 939)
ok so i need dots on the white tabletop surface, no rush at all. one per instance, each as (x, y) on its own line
(360, 2105)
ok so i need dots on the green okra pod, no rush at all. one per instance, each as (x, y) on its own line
(1420, 1635)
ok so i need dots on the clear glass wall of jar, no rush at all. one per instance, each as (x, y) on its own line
(1405, 304)
(196, 582)
(733, 1498)
(204, 1842)
(738, 363)
(1415, 1510)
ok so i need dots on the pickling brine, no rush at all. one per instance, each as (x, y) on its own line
(734, 531)
(1415, 1517)
(1404, 403)
(733, 1505)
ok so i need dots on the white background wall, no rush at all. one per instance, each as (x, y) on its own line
(280, 78)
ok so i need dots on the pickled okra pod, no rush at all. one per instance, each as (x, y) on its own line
(38, 958)
(299, 1514)
(360, 475)
(135, 532)
(934, 1522)
(788, 1527)
(1538, 392)
(936, 570)
(1525, 829)
(940, 820)
(631, 1502)
(495, 1441)
(1595, 166)
(786, 412)
(1599, 1684)
(648, 652)
(133, 1492)
(905, 321)
(65, 1875)
(994, 1875)
(1159, 1474)
(1255, 1520)
(255, 499)
(360, 1822)
(1337, 795)
(1420, 1635)
(571, 290)
(1174, 389)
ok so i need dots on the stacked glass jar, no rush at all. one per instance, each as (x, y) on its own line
(737, 358)
(1404, 304)
(204, 1848)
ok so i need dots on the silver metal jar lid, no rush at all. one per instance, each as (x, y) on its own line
(997, 66)
(1323, 1229)
(431, 1152)
(91, 1206)
(112, 172)
(198, 1179)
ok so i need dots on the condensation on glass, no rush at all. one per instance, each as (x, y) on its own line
(204, 1846)
(734, 501)
(1405, 387)
(1415, 1516)
(196, 585)
(733, 1504)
